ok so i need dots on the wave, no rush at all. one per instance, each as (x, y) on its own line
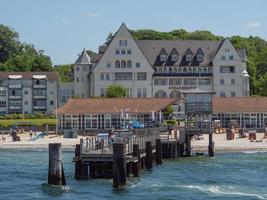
(55, 189)
(220, 191)
(254, 152)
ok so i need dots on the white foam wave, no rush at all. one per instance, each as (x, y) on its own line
(253, 152)
(219, 191)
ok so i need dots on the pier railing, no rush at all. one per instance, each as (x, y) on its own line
(92, 145)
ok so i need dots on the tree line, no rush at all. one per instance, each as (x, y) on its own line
(18, 56)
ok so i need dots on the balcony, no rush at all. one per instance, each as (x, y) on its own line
(14, 86)
(42, 86)
(182, 74)
(14, 107)
(15, 97)
(39, 96)
(39, 107)
(198, 127)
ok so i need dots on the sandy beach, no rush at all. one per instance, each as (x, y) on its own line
(221, 143)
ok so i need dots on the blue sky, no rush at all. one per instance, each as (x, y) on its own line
(62, 28)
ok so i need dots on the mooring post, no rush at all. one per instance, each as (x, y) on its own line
(136, 165)
(119, 165)
(56, 174)
(92, 168)
(182, 149)
(211, 146)
(188, 145)
(158, 152)
(178, 149)
(149, 156)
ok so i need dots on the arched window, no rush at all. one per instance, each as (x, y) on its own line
(129, 64)
(160, 70)
(190, 70)
(165, 70)
(199, 70)
(209, 70)
(117, 64)
(123, 64)
(180, 70)
(170, 70)
(194, 70)
(204, 70)
(161, 94)
(185, 70)
(155, 70)
(175, 94)
(175, 70)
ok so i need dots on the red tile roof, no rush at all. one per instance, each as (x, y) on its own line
(114, 105)
(239, 104)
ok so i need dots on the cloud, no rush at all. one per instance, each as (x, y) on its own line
(253, 24)
(92, 14)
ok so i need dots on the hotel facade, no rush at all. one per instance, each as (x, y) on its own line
(161, 68)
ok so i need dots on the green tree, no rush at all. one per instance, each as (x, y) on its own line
(116, 91)
(65, 72)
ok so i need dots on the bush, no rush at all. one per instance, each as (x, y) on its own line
(170, 122)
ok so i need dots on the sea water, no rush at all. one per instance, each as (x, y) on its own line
(23, 175)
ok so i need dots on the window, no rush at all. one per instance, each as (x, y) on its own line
(25, 91)
(26, 102)
(231, 57)
(227, 69)
(102, 76)
(199, 57)
(129, 64)
(160, 81)
(107, 77)
(162, 57)
(232, 81)
(222, 81)
(123, 52)
(137, 65)
(117, 51)
(1, 83)
(127, 76)
(175, 81)
(51, 91)
(117, 64)
(190, 81)
(232, 93)
(123, 64)
(2, 104)
(122, 43)
(102, 92)
(107, 120)
(174, 58)
(188, 58)
(2, 93)
(227, 49)
(77, 69)
(129, 51)
(204, 81)
(223, 57)
(144, 92)
(222, 94)
(141, 76)
(77, 80)
(108, 65)
(139, 92)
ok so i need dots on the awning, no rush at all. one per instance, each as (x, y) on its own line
(39, 76)
(14, 76)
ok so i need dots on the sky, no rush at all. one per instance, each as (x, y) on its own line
(62, 28)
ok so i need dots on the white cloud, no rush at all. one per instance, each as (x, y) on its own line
(92, 14)
(253, 24)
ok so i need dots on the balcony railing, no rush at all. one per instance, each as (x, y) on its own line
(39, 86)
(181, 74)
(15, 97)
(39, 96)
(198, 107)
(39, 107)
(15, 107)
(13, 86)
(198, 127)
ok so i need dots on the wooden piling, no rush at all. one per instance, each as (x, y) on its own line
(211, 146)
(158, 152)
(136, 165)
(92, 168)
(56, 174)
(119, 165)
(149, 156)
(188, 145)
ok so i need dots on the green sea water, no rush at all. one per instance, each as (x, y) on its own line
(23, 175)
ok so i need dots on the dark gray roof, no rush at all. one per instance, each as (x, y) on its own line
(242, 54)
(84, 58)
(152, 48)
(51, 76)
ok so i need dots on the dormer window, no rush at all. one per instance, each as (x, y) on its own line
(174, 57)
(162, 57)
(199, 57)
(188, 58)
